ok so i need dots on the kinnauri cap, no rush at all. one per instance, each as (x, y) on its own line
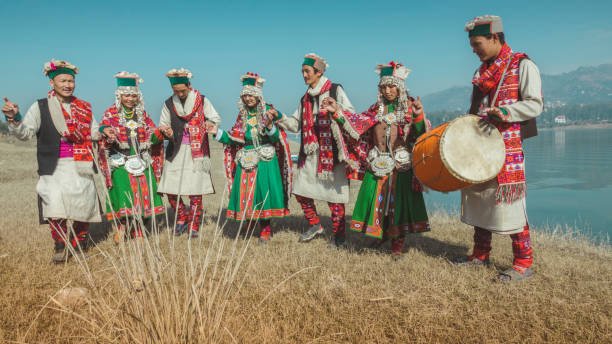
(484, 25)
(315, 61)
(179, 76)
(55, 67)
(127, 79)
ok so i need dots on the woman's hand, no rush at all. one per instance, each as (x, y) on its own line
(417, 106)
(109, 132)
(212, 128)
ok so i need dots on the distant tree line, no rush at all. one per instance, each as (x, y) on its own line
(574, 113)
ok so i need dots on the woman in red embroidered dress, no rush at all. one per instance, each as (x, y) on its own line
(130, 159)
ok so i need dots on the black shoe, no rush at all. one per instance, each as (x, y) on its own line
(179, 229)
(60, 254)
(340, 241)
(466, 261)
(311, 233)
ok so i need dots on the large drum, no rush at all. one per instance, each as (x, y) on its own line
(457, 154)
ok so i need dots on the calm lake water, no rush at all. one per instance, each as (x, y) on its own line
(569, 180)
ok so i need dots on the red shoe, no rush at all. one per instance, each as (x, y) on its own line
(397, 245)
(265, 235)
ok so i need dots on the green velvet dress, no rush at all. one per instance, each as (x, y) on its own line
(392, 203)
(132, 195)
(256, 193)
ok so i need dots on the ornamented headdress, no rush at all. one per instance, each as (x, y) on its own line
(127, 83)
(484, 25)
(55, 67)
(394, 74)
(179, 76)
(252, 84)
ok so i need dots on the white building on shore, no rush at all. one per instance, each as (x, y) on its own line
(561, 119)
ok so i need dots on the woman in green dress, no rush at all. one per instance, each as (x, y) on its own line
(257, 161)
(390, 200)
(130, 158)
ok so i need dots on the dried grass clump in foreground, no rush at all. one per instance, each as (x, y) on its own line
(286, 291)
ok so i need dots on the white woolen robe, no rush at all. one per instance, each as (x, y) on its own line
(306, 183)
(65, 194)
(180, 176)
(478, 202)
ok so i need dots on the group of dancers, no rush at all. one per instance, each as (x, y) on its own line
(337, 144)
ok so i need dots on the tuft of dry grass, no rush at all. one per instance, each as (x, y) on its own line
(225, 288)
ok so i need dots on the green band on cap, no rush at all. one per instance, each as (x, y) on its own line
(386, 71)
(178, 80)
(249, 81)
(126, 82)
(480, 30)
(62, 70)
(309, 62)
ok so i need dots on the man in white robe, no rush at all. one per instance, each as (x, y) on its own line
(508, 95)
(187, 166)
(323, 162)
(64, 127)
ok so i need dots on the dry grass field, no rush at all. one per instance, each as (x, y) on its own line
(227, 289)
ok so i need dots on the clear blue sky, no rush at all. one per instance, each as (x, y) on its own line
(219, 41)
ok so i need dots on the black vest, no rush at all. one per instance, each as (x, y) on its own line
(47, 141)
(178, 126)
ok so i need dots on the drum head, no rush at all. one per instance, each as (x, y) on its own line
(470, 153)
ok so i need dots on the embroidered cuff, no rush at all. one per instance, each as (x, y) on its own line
(505, 114)
(219, 134)
(340, 120)
(16, 118)
(158, 134)
(280, 117)
(272, 131)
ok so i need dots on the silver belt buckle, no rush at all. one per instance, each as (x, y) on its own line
(116, 160)
(403, 158)
(135, 165)
(266, 152)
(381, 163)
(248, 159)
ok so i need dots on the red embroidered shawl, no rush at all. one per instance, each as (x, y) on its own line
(111, 118)
(78, 122)
(511, 179)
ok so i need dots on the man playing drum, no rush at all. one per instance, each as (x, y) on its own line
(507, 94)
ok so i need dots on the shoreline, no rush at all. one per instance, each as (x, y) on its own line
(580, 126)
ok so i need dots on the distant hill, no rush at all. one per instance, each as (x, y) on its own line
(585, 85)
